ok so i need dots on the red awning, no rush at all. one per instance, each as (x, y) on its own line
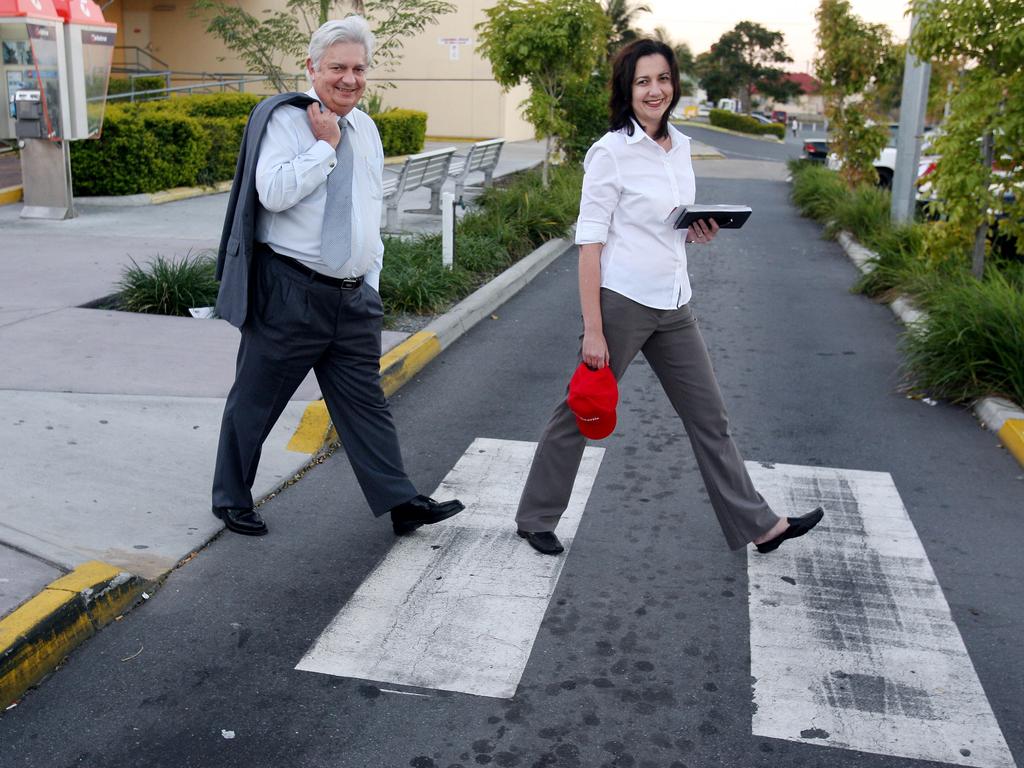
(36, 9)
(84, 12)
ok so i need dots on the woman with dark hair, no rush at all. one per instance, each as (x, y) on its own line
(635, 293)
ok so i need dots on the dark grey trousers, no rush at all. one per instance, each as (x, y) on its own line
(296, 324)
(675, 349)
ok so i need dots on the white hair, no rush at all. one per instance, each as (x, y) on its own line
(352, 29)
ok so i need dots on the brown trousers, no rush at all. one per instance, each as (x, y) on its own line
(675, 349)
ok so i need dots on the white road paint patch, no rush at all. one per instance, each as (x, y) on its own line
(456, 606)
(852, 643)
(403, 693)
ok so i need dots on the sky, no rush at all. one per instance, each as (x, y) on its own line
(699, 24)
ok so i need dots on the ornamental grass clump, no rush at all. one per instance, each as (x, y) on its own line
(817, 191)
(507, 223)
(973, 342)
(169, 286)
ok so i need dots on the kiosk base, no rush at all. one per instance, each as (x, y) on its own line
(46, 180)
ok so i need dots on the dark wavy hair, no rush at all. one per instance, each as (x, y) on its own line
(623, 72)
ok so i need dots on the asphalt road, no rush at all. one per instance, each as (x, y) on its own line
(643, 658)
(742, 148)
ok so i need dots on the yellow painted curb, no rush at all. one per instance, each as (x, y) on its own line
(10, 195)
(407, 359)
(1012, 435)
(36, 637)
(397, 366)
(314, 429)
(184, 193)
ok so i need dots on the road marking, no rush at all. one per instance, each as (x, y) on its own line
(457, 605)
(852, 643)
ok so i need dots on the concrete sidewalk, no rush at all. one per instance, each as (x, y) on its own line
(109, 420)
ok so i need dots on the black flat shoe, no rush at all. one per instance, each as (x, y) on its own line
(798, 526)
(244, 521)
(422, 510)
(544, 542)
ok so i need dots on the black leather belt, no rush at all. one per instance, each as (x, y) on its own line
(344, 283)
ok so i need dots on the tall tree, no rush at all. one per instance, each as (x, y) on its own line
(545, 43)
(985, 104)
(623, 15)
(742, 60)
(853, 57)
(274, 43)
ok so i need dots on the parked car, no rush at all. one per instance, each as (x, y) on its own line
(815, 150)
(780, 116)
(885, 163)
(760, 118)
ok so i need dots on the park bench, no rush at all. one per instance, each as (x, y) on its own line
(427, 169)
(482, 157)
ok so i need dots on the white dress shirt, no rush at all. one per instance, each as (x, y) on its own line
(630, 185)
(291, 176)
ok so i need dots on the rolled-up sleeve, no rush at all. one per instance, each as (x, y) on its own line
(601, 191)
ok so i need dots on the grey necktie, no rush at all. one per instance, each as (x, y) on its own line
(336, 233)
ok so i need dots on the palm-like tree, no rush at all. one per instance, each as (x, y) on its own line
(623, 14)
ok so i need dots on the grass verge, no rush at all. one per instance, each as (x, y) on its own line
(972, 344)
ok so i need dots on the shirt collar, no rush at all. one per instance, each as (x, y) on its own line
(639, 134)
(347, 118)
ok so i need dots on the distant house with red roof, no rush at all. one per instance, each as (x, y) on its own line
(809, 102)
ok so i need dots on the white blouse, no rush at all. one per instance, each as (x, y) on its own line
(630, 185)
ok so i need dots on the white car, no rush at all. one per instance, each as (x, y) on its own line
(885, 163)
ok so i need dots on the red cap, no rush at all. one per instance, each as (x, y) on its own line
(593, 396)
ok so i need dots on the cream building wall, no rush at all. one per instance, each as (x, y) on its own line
(440, 72)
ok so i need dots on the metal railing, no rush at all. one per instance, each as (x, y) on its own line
(133, 51)
(236, 85)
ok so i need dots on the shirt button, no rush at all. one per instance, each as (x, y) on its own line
(330, 165)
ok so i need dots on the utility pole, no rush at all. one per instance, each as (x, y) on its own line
(913, 103)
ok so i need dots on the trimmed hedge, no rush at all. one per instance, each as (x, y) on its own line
(140, 152)
(402, 131)
(192, 140)
(723, 118)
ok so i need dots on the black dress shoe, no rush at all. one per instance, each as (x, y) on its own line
(422, 510)
(798, 526)
(544, 542)
(245, 521)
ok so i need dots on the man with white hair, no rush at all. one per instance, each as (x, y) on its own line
(299, 265)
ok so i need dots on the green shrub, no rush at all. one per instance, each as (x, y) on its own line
(973, 342)
(508, 222)
(723, 118)
(901, 266)
(118, 163)
(139, 151)
(185, 141)
(184, 148)
(584, 109)
(225, 134)
(218, 104)
(414, 280)
(817, 191)
(402, 131)
(169, 287)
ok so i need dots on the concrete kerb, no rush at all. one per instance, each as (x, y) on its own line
(996, 414)
(38, 635)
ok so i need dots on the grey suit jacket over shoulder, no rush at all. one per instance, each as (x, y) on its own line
(234, 257)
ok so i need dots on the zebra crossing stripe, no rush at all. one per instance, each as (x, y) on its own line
(457, 606)
(852, 643)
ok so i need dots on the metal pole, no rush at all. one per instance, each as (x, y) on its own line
(913, 104)
(447, 229)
